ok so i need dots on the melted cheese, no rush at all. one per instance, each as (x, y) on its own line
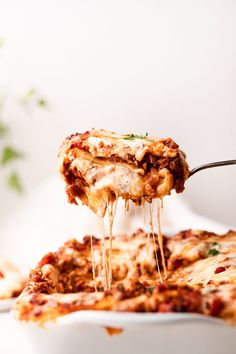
(11, 281)
(119, 177)
(154, 240)
(111, 214)
(204, 270)
(93, 263)
(214, 277)
(105, 275)
(103, 143)
(160, 237)
(100, 147)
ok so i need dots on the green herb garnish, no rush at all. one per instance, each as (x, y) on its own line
(134, 136)
(213, 252)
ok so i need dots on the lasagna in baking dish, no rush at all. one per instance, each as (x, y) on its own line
(99, 166)
(12, 281)
(201, 277)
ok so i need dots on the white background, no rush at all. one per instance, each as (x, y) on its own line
(163, 67)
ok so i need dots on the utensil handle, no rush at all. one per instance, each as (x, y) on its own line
(211, 165)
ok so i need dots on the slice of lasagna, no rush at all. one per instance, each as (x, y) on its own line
(99, 166)
(12, 281)
(201, 278)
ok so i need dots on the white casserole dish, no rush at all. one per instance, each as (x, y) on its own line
(83, 332)
(6, 304)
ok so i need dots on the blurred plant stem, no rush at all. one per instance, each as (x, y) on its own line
(9, 154)
(33, 97)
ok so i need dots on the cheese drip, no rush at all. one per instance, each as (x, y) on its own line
(104, 258)
(111, 207)
(154, 239)
(106, 245)
(160, 237)
(93, 264)
(145, 222)
(126, 205)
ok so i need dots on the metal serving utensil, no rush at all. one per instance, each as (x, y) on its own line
(211, 165)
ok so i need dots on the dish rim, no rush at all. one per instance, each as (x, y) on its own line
(6, 304)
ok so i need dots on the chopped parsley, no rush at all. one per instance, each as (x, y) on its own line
(134, 136)
(213, 252)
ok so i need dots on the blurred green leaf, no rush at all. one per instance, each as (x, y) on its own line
(3, 130)
(32, 92)
(1, 41)
(14, 182)
(42, 103)
(28, 96)
(32, 96)
(9, 154)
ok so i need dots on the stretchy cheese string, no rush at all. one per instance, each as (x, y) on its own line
(160, 236)
(127, 205)
(136, 213)
(107, 253)
(104, 258)
(144, 211)
(161, 200)
(144, 221)
(93, 264)
(154, 240)
(111, 207)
